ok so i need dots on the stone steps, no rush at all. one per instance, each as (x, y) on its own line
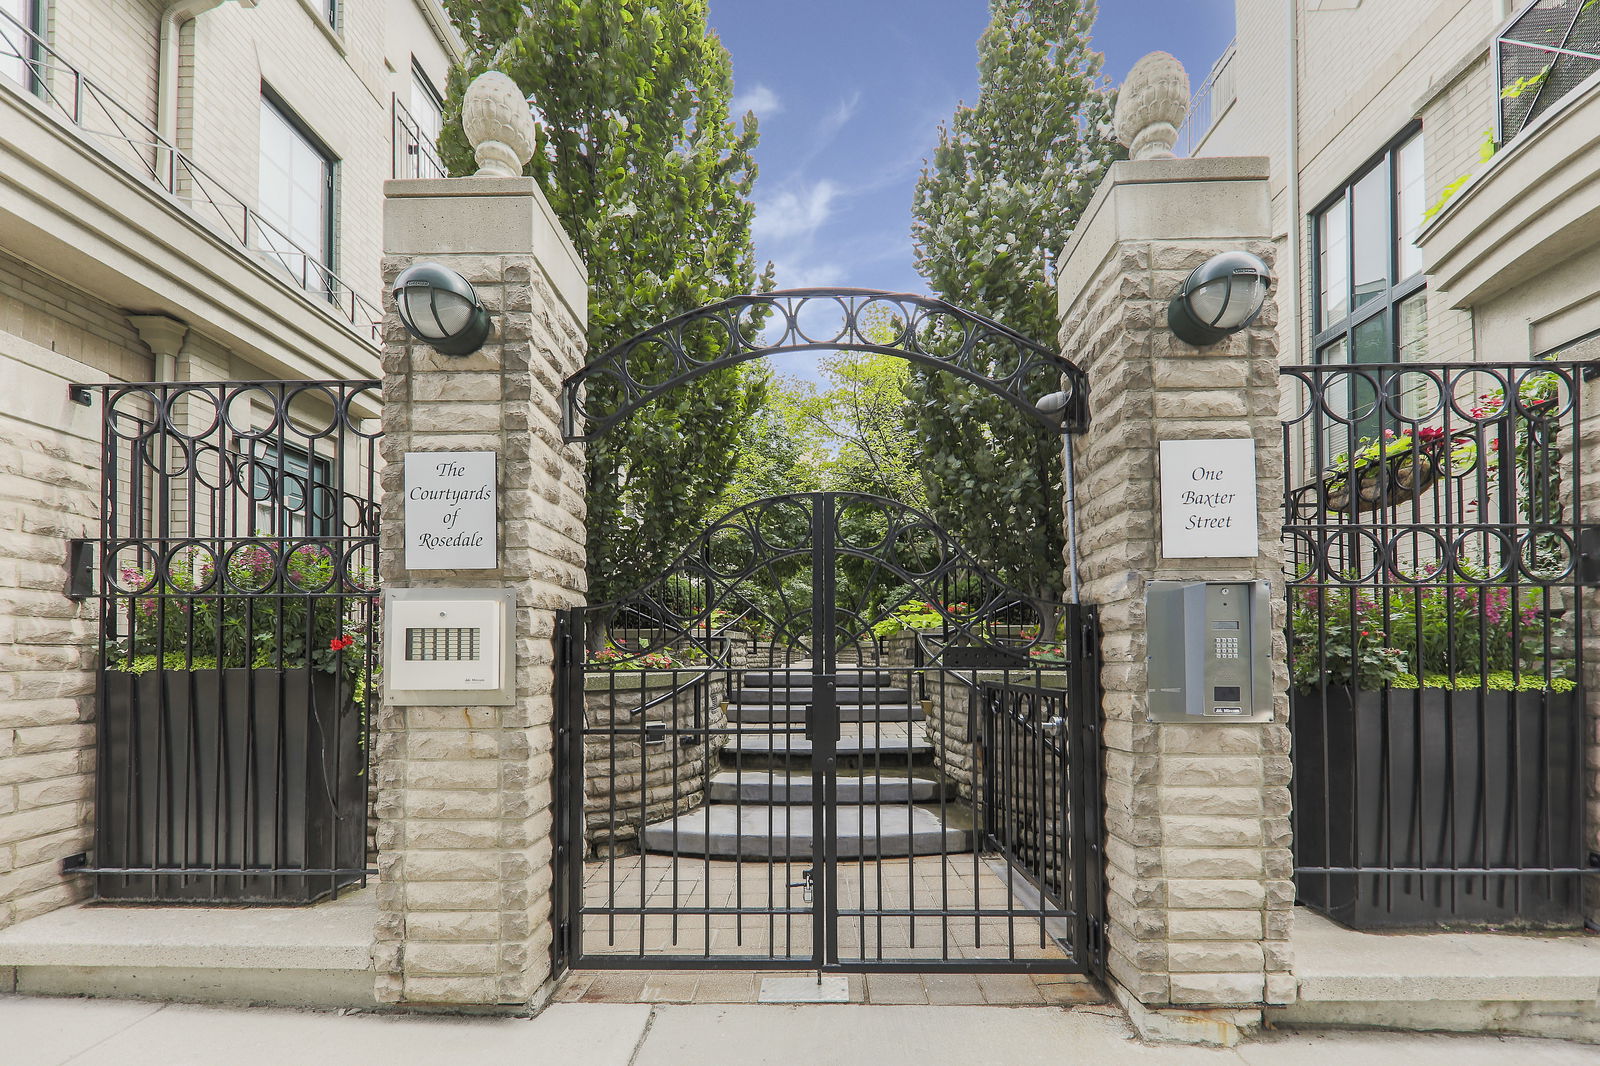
(801, 675)
(764, 744)
(784, 832)
(844, 697)
(757, 787)
(741, 713)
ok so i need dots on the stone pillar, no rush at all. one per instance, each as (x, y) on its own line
(464, 803)
(1197, 816)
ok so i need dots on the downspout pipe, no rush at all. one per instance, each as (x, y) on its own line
(172, 19)
(1291, 98)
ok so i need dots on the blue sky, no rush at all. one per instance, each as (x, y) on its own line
(850, 94)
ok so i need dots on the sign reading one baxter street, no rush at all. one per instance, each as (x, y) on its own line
(1208, 499)
(450, 511)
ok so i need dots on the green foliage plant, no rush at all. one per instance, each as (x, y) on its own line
(650, 178)
(1008, 180)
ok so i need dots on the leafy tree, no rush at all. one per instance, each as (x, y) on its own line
(639, 159)
(1007, 183)
(861, 419)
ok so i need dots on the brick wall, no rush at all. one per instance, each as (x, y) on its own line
(49, 491)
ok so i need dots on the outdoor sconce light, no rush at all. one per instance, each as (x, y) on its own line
(1222, 296)
(439, 306)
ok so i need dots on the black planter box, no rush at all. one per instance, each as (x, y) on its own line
(1431, 778)
(228, 769)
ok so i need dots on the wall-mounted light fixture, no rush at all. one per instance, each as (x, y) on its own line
(439, 306)
(1222, 296)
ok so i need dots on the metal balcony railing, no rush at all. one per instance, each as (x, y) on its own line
(1208, 103)
(415, 154)
(30, 66)
(1546, 51)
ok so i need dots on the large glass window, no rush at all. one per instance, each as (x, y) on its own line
(427, 111)
(295, 199)
(1367, 262)
(17, 17)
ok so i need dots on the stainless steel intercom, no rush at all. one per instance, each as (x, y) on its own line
(1210, 651)
(447, 646)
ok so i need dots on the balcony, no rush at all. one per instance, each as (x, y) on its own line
(1545, 53)
(91, 191)
(1207, 106)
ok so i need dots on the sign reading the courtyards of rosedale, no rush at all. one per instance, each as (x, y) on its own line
(1208, 499)
(450, 511)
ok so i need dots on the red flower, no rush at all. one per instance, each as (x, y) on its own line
(341, 643)
(1431, 435)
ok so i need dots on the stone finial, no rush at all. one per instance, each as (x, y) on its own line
(496, 118)
(1151, 105)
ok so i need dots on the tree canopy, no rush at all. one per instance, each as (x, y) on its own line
(639, 159)
(1008, 180)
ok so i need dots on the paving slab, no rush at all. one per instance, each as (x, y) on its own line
(1342, 965)
(48, 1032)
(590, 1034)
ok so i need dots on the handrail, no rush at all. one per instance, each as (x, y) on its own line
(1208, 103)
(420, 159)
(139, 148)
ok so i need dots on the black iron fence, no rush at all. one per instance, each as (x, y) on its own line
(237, 579)
(1438, 548)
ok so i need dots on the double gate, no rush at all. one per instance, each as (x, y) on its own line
(828, 738)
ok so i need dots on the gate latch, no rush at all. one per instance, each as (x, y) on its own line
(1054, 727)
(806, 883)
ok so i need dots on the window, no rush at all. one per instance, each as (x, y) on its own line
(1370, 295)
(293, 492)
(1367, 263)
(17, 19)
(427, 111)
(295, 199)
(331, 10)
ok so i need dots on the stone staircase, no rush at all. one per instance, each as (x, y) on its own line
(759, 805)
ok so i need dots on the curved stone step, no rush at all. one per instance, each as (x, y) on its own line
(842, 696)
(793, 715)
(766, 832)
(760, 787)
(762, 743)
(783, 678)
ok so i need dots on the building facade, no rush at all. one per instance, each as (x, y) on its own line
(190, 191)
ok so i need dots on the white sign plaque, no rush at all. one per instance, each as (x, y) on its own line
(450, 511)
(1208, 499)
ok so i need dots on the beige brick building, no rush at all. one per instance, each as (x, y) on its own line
(190, 190)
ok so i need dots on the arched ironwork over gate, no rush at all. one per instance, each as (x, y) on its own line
(923, 329)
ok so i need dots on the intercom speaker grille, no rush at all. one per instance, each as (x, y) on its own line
(442, 645)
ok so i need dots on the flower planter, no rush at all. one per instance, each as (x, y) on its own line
(1408, 779)
(229, 769)
(1407, 477)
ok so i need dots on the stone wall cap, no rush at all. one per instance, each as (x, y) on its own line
(520, 185)
(1203, 168)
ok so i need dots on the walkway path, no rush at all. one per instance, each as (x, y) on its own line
(44, 1032)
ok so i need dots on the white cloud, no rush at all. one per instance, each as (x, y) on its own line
(760, 99)
(796, 273)
(795, 213)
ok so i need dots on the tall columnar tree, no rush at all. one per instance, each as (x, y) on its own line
(1007, 183)
(651, 179)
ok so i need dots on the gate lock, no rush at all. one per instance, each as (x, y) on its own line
(806, 884)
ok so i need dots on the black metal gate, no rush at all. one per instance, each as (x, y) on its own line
(236, 571)
(828, 738)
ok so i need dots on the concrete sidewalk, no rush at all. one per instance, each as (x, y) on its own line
(54, 1032)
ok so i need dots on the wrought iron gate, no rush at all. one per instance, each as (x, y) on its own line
(236, 571)
(762, 764)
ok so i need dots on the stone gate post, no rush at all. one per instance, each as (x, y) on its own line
(1197, 816)
(464, 804)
